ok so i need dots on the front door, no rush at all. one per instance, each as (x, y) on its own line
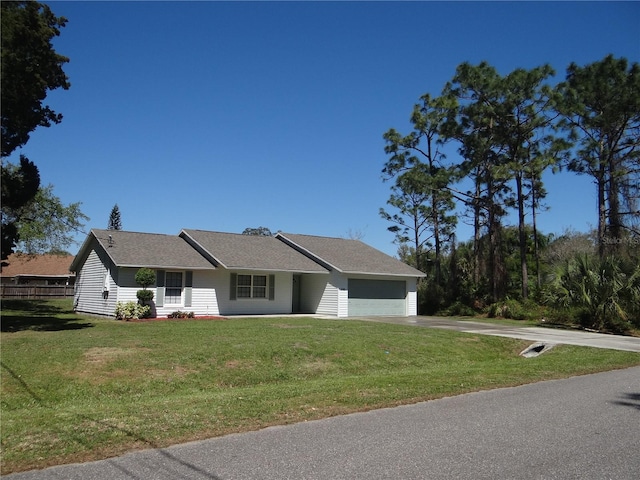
(295, 295)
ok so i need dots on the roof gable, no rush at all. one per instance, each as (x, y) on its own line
(348, 256)
(250, 252)
(152, 250)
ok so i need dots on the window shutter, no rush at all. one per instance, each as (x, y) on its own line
(159, 288)
(188, 288)
(232, 288)
(272, 287)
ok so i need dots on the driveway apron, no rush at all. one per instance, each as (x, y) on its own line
(551, 336)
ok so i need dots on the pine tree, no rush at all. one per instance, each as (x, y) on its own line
(114, 219)
(600, 106)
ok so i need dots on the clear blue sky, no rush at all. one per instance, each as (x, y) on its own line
(222, 116)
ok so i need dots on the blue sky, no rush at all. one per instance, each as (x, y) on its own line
(227, 115)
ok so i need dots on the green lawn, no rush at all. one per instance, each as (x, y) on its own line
(78, 388)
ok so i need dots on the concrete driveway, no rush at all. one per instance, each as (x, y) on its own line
(552, 336)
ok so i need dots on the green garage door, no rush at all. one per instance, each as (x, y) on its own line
(376, 297)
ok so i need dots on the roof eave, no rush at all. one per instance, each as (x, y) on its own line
(172, 267)
(276, 270)
(385, 274)
(42, 275)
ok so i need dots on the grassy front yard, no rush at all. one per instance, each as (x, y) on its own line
(77, 388)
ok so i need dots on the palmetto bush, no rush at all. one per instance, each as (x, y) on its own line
(603, 293)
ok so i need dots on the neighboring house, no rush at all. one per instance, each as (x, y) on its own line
(213, 273)
(24, 269)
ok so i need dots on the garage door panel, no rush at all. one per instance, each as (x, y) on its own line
(377, 297)
(377, 288)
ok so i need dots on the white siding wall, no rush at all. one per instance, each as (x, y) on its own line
(318, 295)
(343, 301)
(412, 297)
(329, 294)
(206, 285)
(334, 289)
(282, 302)
(204, 290)
(89, 288)
(203, 299)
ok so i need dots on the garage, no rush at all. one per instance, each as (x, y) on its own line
(377, 297)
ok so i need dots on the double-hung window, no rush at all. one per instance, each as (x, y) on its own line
(252, 286)
(173, 288)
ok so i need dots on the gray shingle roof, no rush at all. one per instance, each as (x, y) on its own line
(349, 256)
(132, 249)
(250, 252)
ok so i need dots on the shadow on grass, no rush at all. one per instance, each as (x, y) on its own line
(38, 315)
(179, 467)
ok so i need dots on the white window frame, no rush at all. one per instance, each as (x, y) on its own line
(167, 287)
(252, 287)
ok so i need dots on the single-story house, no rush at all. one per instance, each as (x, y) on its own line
(25, 269)
(214, 273)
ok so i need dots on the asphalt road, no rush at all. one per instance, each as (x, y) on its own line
(583, 428)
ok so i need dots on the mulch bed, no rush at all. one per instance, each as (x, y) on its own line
(165, 319)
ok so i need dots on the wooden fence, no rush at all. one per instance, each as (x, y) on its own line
(36, 291)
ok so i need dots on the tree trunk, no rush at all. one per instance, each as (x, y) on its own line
(436, 234)
(614, 223)
(493, 264)
(476, 233)
(602, 211)
(416, 239)
(536, 252)
(522, 238)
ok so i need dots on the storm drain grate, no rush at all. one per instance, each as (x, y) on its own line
(536, 349)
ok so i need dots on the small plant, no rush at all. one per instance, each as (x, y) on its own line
(599, 293)
(459, 309)
(132, 311)
(510, 308)
(144, 296)
(180, 314)
(145, 277)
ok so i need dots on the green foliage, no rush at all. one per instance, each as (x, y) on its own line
(181, 314)
(431, 298)
(45, 223)
(170, 382)
(20, 185)
(132, 311)
(30, 68)
(114, 219)
(600, 108)
(516, 310)
(602, 293)
(510, 129)
(458, 309)
(145, 277)
(144, 296)
(260, 232)
(421, 192)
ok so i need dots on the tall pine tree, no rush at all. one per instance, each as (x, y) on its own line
(114, 219)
